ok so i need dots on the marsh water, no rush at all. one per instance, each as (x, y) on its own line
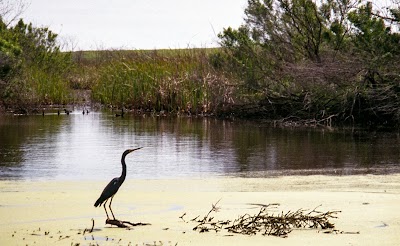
(89, 147)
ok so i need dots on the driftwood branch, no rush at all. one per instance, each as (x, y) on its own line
(124, 224)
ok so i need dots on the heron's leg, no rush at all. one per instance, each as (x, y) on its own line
(104, 205)
(110, 207)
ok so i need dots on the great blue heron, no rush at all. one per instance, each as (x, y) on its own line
(114, 185)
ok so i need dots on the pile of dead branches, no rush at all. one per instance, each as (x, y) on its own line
(267, 223)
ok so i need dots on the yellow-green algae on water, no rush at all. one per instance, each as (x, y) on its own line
(58, 212)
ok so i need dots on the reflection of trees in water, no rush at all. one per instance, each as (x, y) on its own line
(244, 146)
(44, 146)
(293, 149)
(17, 134)
(255, 148)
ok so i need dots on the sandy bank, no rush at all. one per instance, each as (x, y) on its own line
(56, 213)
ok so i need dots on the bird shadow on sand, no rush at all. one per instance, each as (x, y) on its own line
(124, 224)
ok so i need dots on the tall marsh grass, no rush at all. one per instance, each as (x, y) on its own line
(169, 80)
(50, 88)
(36, 86)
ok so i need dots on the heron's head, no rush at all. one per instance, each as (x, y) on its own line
(130, 150)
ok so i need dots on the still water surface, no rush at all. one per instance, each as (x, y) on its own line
(89, 147)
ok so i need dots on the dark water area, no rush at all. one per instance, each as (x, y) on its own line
(89, 147)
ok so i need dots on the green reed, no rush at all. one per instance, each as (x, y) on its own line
(170, 80)
(50, 88)
(36, 86)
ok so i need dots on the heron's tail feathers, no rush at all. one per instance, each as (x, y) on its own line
(98, 202)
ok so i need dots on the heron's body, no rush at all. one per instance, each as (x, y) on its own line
(112, 187)
(109, 191)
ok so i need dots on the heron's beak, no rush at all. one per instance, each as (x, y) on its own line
(131, 150)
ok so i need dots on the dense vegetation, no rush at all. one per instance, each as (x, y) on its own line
(335, 61)
(310, 62)
(172, 81)
(33, 70)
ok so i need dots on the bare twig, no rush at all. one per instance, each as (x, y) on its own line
(181, 217)
(89, 230)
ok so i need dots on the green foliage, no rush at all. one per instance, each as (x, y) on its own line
(336, 21)
(274, 33)
(305, 26)
(372, 35)
(9, 51)
(317, 60)
(33, 68)
(245, 58)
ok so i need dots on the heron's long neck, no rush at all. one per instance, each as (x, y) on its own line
(123, 175)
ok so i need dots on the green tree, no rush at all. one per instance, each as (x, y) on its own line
(313, 59)
(371, 35)
(275, 33)
(33, 68)
(9, 53)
